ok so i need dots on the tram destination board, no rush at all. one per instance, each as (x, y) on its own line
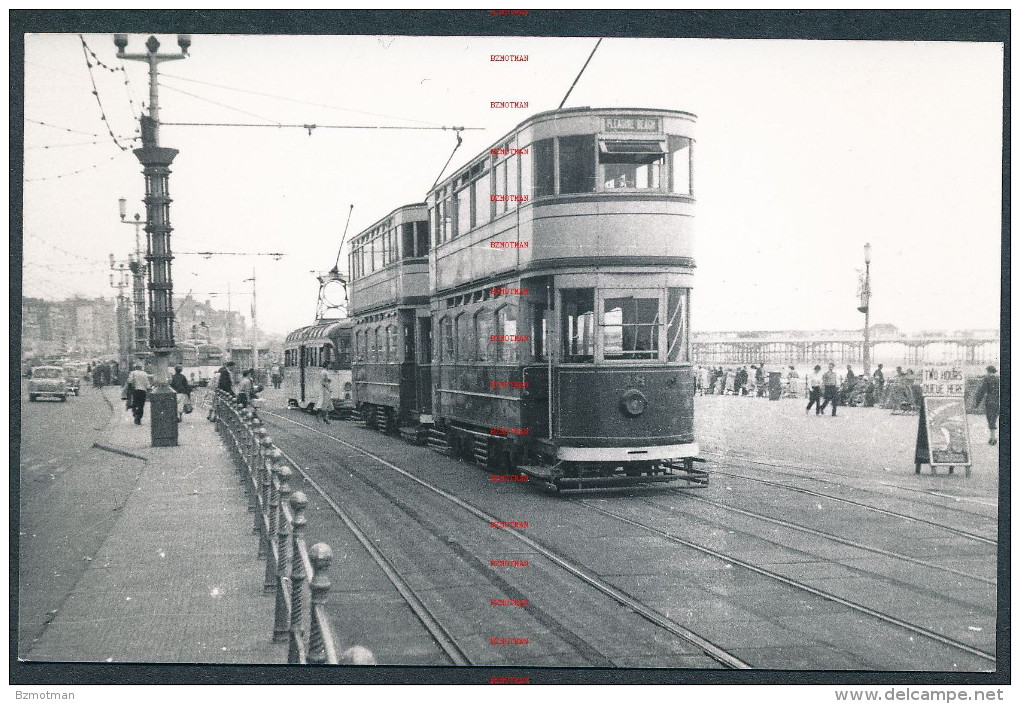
(942, 435)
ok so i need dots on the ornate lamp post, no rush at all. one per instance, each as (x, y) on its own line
(156, 162)
(141, 327)
(865, 307)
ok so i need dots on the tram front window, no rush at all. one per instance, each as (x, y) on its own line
(578, 324)
(631, 328)
(631, 163)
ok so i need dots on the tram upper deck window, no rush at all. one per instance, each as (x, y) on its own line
(463, 199)
(630, 328)
(483, 199)
(577, 164)
(681, 165)
(631, 163)
(544, 167)
(578, 324)
(421, 238)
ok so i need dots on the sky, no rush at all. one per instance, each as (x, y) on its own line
(806, 150)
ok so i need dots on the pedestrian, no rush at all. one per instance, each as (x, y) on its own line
(878, 379)
(792, 378)
(245, 388)
(814, 381)
(225, 382)
(179, 383)
(139, 382)
(325, 396)
(277, 376)
(988, 392)
(830, 389)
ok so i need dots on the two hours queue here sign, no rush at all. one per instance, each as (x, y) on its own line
(942, 380)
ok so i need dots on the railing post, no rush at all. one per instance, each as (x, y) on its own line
(281, 474)
(298, 581)
(281, 623)
(264, 487)
(320, 555)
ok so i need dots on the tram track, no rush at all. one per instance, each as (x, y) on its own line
(854, 606)
(828, 536)
(840, 480)
(585, 649)
(860, 504)
(440, 635)
(710, 649)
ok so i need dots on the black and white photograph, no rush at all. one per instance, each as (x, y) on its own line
(510, 347)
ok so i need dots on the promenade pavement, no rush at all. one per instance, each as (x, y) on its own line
(177, 580)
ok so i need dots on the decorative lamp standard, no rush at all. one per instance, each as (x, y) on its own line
(156, 162)
(865, 307)
(141, 327)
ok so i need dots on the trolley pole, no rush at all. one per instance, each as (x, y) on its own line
(155, 161)
(865, 308)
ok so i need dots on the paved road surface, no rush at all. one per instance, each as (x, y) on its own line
(68, 504)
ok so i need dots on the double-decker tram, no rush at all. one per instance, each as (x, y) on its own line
(390, 308)
(549, 334)
(312, 350)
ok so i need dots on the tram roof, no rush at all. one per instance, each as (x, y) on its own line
(319, 331)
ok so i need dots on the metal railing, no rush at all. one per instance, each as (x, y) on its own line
(298, 574)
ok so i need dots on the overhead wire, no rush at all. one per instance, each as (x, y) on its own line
(215, 102)
(53, 177)
(77, 256)
(314, 126)
(296, 100)
(69, 144)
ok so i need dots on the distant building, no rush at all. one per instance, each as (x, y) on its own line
(200, 320)
(76, 327)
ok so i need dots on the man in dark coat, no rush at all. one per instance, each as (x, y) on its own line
(988, 392)
(226, 382)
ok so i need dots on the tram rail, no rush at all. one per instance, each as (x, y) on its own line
(829, 536)
(860, 504)
(710, 649)
(442, 637)
(859, 608)
(840, 480)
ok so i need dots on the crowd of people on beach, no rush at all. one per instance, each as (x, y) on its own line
(843, 389)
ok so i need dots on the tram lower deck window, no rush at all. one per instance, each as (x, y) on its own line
(578, 324)
(631, 328)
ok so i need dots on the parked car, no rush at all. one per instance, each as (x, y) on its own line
(74, 374)
(47, 381)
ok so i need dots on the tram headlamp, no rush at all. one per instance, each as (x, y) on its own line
(633, 402)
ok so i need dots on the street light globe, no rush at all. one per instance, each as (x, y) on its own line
(867, 252)
(120, 41)
(122, 202)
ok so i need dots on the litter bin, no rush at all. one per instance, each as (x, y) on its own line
(775, 386)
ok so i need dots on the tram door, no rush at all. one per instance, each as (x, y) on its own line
(424, 360)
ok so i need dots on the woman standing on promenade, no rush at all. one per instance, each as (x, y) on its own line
(325, 396)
